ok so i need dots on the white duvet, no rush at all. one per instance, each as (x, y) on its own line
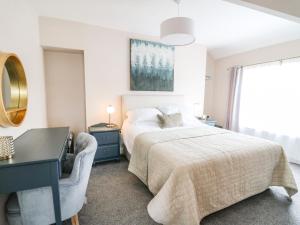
(131, 130)
(193, 172)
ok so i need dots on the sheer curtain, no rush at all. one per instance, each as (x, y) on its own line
(268, 104)
(236, 77)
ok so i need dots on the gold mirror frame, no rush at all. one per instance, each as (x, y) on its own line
(13, 116)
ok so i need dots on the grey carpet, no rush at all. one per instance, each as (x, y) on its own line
(116, 197)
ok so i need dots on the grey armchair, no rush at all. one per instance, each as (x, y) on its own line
(35, 207)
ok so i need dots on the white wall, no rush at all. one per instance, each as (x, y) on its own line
(222, 72)
(107, 70)
(19, 34)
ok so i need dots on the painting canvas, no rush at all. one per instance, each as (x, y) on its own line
(151, 66)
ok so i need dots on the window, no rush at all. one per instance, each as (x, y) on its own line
(270, 98)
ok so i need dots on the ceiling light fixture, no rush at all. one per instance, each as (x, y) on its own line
(177, 31)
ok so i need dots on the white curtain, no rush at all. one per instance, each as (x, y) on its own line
(268, 104)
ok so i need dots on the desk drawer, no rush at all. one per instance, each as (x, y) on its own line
(25, 177)
(107, 151)
(105, 138)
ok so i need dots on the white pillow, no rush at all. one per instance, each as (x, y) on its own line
(143, 114)
(169, 109)
(188, 116)
(186, 111)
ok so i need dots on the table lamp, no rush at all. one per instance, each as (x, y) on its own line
(110, 109)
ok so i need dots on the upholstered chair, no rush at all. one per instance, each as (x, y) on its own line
(35, 207)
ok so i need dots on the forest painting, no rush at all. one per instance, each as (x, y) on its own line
(151, 66)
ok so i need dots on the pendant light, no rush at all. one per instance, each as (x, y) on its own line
(177, 31)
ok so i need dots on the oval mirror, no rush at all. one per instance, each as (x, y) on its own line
(6, 91)
(13, 94)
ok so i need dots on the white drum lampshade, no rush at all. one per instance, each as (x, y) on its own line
(177, 31)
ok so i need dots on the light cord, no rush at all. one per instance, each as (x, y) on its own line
(178, 7)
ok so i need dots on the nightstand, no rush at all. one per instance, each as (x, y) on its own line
(209, 122)
(108, 139)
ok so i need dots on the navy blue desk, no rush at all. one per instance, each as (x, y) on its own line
(36, 163)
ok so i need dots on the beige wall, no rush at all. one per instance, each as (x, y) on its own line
(106, 57)
(287, 9)
(19, 34)
(64, 74)
(222, 72)
(209, 85)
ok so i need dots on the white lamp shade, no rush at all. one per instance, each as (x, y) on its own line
(110, 109)
(177, 31)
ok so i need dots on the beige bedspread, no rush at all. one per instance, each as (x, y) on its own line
(194, 172)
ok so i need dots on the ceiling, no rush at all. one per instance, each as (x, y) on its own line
(223, 27)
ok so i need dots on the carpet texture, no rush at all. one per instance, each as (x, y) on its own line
(117, 197)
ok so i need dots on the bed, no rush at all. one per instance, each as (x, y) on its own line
(195, 170)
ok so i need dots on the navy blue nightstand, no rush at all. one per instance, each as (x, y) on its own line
(108, 139)
(209, 122)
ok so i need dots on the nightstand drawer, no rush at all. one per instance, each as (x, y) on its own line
(108, 139)
(105, 138)
(107, 151)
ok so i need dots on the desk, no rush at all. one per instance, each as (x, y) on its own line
(36, 163)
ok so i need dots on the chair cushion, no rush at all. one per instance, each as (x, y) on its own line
(12, 206)
(14, 219)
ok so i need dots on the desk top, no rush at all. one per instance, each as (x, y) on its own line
(38, 145)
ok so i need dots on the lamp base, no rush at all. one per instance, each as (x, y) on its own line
(110, 125)
(6, 157)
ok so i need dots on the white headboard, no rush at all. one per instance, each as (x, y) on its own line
(135, 101)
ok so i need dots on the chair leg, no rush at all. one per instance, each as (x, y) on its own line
(74, 220)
